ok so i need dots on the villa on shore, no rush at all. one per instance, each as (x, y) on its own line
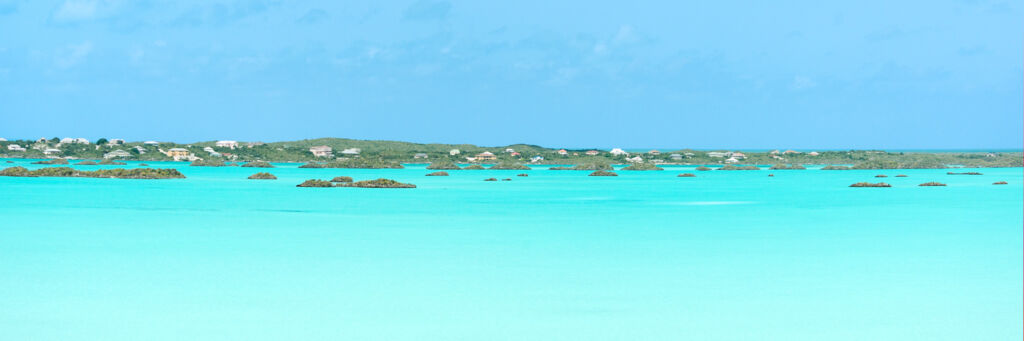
(321, 151)
(485, 156)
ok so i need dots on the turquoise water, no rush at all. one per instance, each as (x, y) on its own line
(557, 255)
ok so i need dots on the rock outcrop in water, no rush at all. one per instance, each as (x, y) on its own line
(642, 167)
(881, 176)
(788, 167)
(208, 163)
(702, 168)
(509, 166)
(342, 179)
(901, 175)
(734, 167)
(315, 183)
(523, 174)
(999, 183)
(52, 162)
(262, 176)
(687, 175)
(868, 184)
(258, 164)
(439, 173)
(964, 173)
(443, 164)
(927, 184)
(490, 179)
(87, 163)
(378, 183)
(585, 166)
(117, 173)
(474, 167)
(603, 173)
(833, 167)
(109, 162)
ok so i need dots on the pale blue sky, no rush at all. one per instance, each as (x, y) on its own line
(711, 74)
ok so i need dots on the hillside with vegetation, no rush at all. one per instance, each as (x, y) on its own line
(385, 154)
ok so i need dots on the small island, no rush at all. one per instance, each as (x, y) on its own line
(523, 174)
(603, 173)
(881, 176)
(901, 175)
(258, 164)
(262, 176)
(315, 183)
(703, 169)
(378, 183)
(735, 168)
(208, 163)
(109, 162)
(929, 184)
(438, 173)
(834, 167)
(509, 166)
(87, 163)
(52, 162)
(586, 166)
(687, 175)
(868, 184)
(999, 183)
(642, 167)
(474, 167)
(443, 165)
(491, 179)
(117, 173)
(781, 166)
(342, 179)
(964, 173)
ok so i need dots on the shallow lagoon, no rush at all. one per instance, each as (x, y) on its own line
(728, 255)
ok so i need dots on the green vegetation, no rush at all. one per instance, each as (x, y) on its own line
(603, 173)
(523, 174)
(702, 168)
(506, 179)
(52, 162)
(868, 184)
(687, 175)
(832, 167)
(782, 166)
(642, 167)
(999, 183)
(342, 179)
(143, 165)
(117, 173)
(356, 163)
(258, 164)
(109, 162)
(208, 163)
(438, 173)
(901, 175)
(262, 176)
(399, 152)
(315, 183)
(504, 165)
(734, 167)
(881, 176)
(926, 184)
(586, 166)
(474, 167)
(490, 179)
(87, 163)
(378, 183)
(443, 164)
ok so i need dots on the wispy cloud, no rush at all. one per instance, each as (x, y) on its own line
(73, 54)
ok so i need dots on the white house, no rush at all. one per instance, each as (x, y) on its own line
(16, 148)
(81, 140)
(731, 160)
(813, 154)
(537, 158)
(140, 149)
(675, 157)
(635, 159)
(114, 142)
(618, 151)
(739, 156)
(420, 156)
(151, 143)
(454, 152)
(116, 154)
(351, 151)
(228, 144)
(592, 152)
(563, 152)
(510, 150)
(66, 140)
(51, 151)
(209, 150)
(321, 151)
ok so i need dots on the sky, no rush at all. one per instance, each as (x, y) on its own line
(601, 74)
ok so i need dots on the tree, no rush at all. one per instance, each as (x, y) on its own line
(101, 141)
